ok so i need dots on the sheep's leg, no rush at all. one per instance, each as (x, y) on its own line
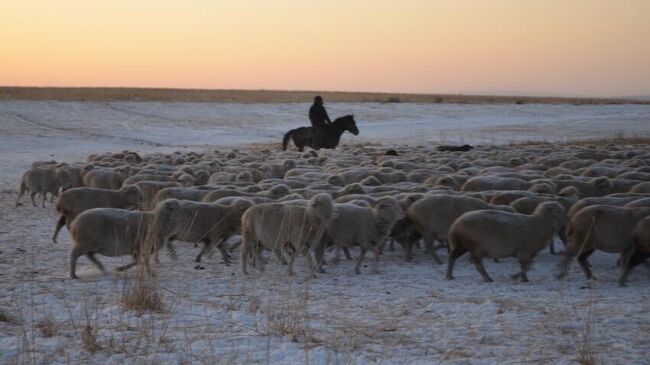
(20, 195)
(453, 256)
(357, 269)
(278, 254)
(225, 255)
(44, 197)
(58, 227)
(551, 248)
(391, 245)
(292, 258)
(207, 247)
(635, 259)
(32, 196)
(93, 259)
(408, 250)
(257, 251)
(428, 243)
(564, 265)
(74, 255)
(310, 264)
(375, 266)
(127, 266)
(525, 264)
(319, 254)
(478, 262)
(243, 252)
(346, 252)
(584, 263)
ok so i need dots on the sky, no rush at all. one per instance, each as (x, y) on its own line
(551, 47)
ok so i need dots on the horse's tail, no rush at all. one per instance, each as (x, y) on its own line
(286, 139)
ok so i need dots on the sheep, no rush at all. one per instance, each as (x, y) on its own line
(42, 180)
(103, 178)
(77, 200)
(599, 200)
(597, 186)
(111, 232)
(640, 251)
(278, 226)
(150, 189)
(181, 193)
(600, 227)
(641, 188)
(527, 205)
(496, 234)
(482, 183)
(643, 202)
(365, 226)
(433, 215)
(146, 177)
(190, 221)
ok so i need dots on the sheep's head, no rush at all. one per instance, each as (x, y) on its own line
(289, 164)
(354, 188)
(336, 180)
(240, 205)
(542, 188)
(322, 206)
(569, 192)
(63, 178)
(555, 211)
(602, 185)
(388, 209)
(371, 181)
(278, 191)
(244, 176)
(133, 194)
(202, 177)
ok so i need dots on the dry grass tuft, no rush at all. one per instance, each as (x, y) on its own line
(6, 317)
(47, 327)
(89, 339)
(142, 296)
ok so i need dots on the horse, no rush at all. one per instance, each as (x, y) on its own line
(331, 134)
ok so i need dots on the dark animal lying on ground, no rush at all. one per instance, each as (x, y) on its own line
(463, 148)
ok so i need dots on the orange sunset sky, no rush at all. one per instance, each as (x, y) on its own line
(569, 48)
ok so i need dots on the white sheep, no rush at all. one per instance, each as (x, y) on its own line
(497, 234)
(42, 180)
(433, 215)
(367, 227)
(111, 232)
(600, 227)
(77, 200)
(189, 221)
(284, 227)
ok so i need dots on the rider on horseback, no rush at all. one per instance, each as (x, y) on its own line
(319, 119)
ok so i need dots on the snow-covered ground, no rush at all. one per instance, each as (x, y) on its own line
(71, 130)
(405, 314)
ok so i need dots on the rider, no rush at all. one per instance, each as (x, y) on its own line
(319, 119)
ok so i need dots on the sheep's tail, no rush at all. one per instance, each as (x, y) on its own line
(285, 140)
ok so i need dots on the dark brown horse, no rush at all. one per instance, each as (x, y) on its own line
(331, 134)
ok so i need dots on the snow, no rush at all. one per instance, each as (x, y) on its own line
(405, 314)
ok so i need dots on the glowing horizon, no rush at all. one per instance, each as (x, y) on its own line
(578, 48)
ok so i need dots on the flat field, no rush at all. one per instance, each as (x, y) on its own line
(405, 314)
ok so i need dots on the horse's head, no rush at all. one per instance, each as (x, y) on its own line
(347, 123)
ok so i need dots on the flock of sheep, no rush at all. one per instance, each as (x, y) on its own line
(493, 202)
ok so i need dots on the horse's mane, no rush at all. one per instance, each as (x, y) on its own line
(349, 116)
